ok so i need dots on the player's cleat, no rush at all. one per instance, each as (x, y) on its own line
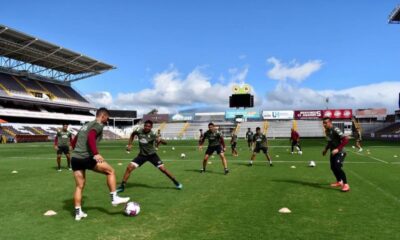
(360, 150)
(70, 169)
(80, 215)
(202, 170)
(291, 153)
(59, 170)
(226, 171)
(250, 163)
(337, 184)
(179, 186)
(121, 188)
(119, 200)
(270, 164)
(345, 188)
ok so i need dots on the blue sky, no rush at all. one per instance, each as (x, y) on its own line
(179, 54)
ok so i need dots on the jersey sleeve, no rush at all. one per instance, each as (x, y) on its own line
(339, 132)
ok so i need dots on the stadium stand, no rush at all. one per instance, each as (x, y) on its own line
(393, 129)
(36, 95)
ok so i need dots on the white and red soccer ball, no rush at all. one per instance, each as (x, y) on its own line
(132, 209)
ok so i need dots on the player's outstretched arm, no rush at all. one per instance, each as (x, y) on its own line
(130, 141)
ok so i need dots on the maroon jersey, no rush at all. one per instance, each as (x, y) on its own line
(294, 136)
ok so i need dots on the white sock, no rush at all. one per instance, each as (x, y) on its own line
(113, 195)
(78, 210)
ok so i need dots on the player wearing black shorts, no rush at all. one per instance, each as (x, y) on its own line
(260, 144)
(86, 156)
(62, 144)
(234, 143)
(336, 142)
(295, 141)
(147, 139)
(215, 144)
(201, 134)
(249, 137)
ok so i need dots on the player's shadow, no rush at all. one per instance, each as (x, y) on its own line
(142, 185)
(207, 171)
(304, 183)
(69, 207)
(242, 164)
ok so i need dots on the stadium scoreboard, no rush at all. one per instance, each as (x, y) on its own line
(241, 97)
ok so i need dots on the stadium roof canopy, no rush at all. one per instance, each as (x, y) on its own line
(24, 54)
(394, 17)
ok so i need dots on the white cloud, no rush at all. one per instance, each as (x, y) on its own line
(293, 70)
(101, 99)
(286, 96)
(170, 91)
(238, 75)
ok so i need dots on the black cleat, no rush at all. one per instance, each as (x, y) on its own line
(226, 171)
(202, 170)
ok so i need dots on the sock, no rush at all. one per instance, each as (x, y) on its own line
(113, 195)
(78, 210)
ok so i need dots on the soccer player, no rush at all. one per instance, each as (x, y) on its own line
(234, 143)
(62, 144)
(86, 156)
(147, 139)
(295, 140)
(249, 137)
(260, 144)
(159, 136)
(200, 137)
(215, 144)
(358, 138)
(336, 142)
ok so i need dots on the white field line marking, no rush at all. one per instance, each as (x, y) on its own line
(374, 158)
(387, 194)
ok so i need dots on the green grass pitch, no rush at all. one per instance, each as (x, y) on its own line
(241, 205)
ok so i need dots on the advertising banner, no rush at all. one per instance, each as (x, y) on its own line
(245, 113)
(338, 113)
(308, 114)
(371, 113)
(278, 114)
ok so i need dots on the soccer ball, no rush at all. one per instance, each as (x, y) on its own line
(173, 148)
(312, 164)
(132, 209)
(183, 155)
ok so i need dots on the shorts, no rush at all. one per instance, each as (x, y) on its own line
(212, 149)
(233, 145)
(153, 159)
(83, 163)
(63, 149)
(263, 149)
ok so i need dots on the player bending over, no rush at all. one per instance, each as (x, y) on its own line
(86, 156)
(62, 144)
(295, 140)
(147, 139)
(336, 142)
(260, 144)
(215, 144)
